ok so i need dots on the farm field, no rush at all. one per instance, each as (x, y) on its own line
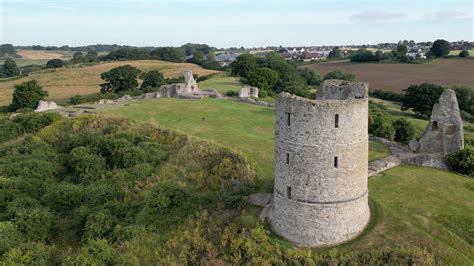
(411, 206)
(456, 52)
(64, 83)
(397, 77)
(36, 57)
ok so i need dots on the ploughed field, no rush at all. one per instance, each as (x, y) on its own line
(64, 83)
(398, 76)
(410, 206)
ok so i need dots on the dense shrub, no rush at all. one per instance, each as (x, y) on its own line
(10, 237)
(380, 125)
(64, 197)
(94, 252)
(387, 95)
(98, 225)
(339, 74)
(462, 162)
(33, 122)
(440, 48)
(79, 99)
(153, 79)
(55, 63)
(464, 53)
(165, 195)
(232, 93)
(85, 165)
(32, 253)
(404, 130)
(35, 224)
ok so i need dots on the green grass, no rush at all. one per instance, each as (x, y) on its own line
(377, 151)
(411, 206)
(245, 127)
(222, 83)
(456, 52)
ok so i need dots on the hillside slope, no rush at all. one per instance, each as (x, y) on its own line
(66, 82)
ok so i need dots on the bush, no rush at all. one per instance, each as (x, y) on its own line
(404, 130)
(387, 95)
(35, 224)
(231, 93)
(339, 74)
(464, 53)
(440, 48)
(462, 162)
(64, 197)
(10, 237)
(55, 63)
(165, 195)
(32, 253)
(380, 125)
(98, 225)
(85, 165)
(27, 95)
(95, 252)
(153, 79)
(33, 122)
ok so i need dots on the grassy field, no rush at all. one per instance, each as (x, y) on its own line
(398, 76)
(36, 57)
(222, 83)
(411, 206)
(245, 127)
(456, 52)
(66, 82)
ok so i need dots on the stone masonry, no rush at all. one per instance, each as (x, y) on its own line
(246, 92)
(443, 135)
(321, 194)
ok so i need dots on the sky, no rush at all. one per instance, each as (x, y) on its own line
(233, 23)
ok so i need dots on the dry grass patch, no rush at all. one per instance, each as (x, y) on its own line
(66, 82)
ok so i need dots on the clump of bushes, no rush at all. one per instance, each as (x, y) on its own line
(462, 162)
(387, 95)
(383, 125)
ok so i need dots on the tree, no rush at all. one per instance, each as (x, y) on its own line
(55, 63)
(78, 57)
(440, 48)
(364, 55)
(27, 95)
(421, 98)
(402, 49)
(465, 97)
(171, 54)
(92, 55)
(263, 78)
(119, 79)
(311, 76)
(339, 74)
(10, 69)
(462, 162)
(404, 130)
(153, 79)
(464, 53)
(335, 53)
(243, 65)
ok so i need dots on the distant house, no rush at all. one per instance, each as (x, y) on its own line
(416, 53)
(226, 58)
(287, 56)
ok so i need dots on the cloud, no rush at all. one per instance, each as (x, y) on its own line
(377, 16)
(448, 15)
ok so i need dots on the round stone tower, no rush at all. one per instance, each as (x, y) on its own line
(320, 194)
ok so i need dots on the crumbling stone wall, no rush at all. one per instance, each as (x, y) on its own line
(190, 84)
(246, 92)
(320, 194)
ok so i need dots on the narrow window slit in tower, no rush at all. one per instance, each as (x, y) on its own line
(434, 126)
(287, 158)
(288, 119)
(336, 161)
(336, 121)
(288, 192)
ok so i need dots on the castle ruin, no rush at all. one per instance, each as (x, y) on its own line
(443, 135)
(246, 92)
(320, 193)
